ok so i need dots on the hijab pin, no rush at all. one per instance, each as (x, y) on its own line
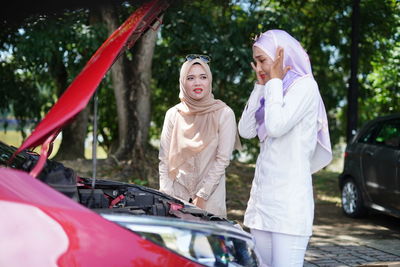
(255, 38)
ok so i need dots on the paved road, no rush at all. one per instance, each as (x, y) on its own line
(341, 241)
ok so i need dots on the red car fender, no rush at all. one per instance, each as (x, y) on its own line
(50, 229)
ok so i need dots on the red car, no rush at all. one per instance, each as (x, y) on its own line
(51, 217)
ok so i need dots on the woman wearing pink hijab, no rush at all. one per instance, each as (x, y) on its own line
(286, 113)
(197, 140)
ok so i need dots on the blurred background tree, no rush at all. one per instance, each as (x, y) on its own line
(224, 31)
(40, 57)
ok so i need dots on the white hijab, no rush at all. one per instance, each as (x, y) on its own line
(296, 57)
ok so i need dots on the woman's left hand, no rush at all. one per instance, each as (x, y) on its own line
(199, 202)
(277, 70)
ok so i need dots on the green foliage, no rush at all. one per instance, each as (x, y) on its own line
(138, 181)
(223, 31)
(35, 56)
(381, 94)
(38, 56)
(22, 105)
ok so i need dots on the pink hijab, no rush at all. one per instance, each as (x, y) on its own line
(196, 123)
(297, 58)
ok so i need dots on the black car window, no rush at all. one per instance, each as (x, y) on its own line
(389, 134)
(367, 136)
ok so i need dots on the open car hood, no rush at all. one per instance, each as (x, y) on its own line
(78, 94)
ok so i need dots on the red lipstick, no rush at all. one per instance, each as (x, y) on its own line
(198, 90)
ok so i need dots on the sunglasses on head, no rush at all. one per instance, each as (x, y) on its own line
(204, 58)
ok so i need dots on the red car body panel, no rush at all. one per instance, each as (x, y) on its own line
(42, 227)
(91, 239)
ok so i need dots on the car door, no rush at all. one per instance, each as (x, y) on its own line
(397, 189)
(380, 165)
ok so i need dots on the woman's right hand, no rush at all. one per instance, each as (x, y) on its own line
(199, 202)
(277, 70)
(260, 80)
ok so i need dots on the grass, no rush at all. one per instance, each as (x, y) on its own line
(10, 137)
(14, 138)
(239, 177)
(326, 187)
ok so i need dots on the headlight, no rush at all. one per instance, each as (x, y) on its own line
(207, 243)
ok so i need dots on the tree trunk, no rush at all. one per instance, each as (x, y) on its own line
(73, 135)
(352, 97)
(140, 91)
(118, 73)
(73, 138)
(124, 111)
(145, 159)
(131, 81)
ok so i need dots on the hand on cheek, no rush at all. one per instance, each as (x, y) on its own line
(277, 70)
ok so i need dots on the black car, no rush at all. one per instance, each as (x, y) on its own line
(371, 174)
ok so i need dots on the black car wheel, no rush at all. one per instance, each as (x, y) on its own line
(352, 202)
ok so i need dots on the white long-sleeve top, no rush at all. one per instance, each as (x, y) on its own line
(204, 174)
(281, 198)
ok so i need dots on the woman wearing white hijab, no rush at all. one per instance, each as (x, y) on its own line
(285, 111)
(197, 141)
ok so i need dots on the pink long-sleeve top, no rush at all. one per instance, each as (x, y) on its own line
(202, 175)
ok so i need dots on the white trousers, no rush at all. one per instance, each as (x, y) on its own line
(280, 250)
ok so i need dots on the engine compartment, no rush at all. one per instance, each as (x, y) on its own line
(107, 196)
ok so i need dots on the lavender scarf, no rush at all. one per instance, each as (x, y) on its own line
(297, 58)
(261, 131)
